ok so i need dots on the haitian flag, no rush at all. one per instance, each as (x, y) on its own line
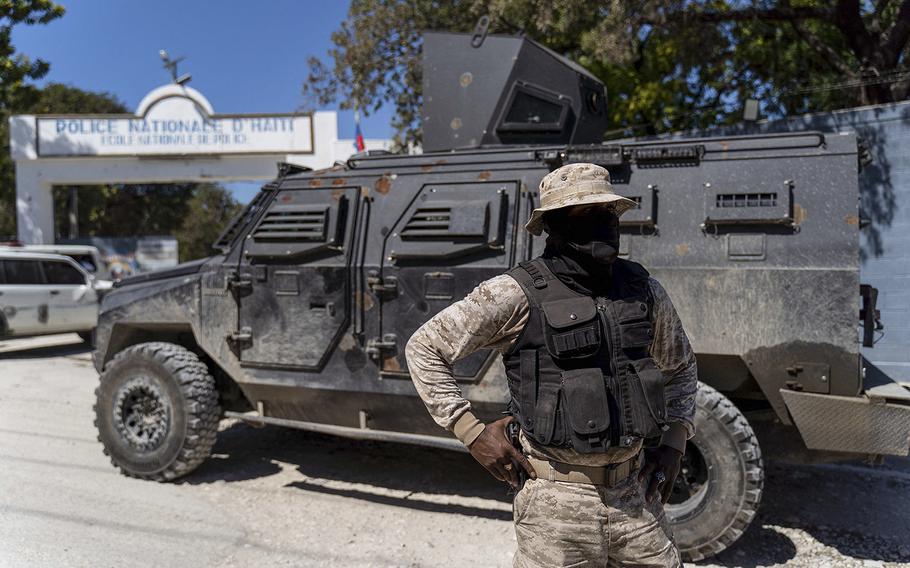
(358, 135)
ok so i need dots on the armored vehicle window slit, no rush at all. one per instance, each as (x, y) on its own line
(532, 109)
(750, 205)
(645, 214)
(440, 225)
(300, 223)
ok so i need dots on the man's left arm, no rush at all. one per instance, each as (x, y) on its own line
(673, 354)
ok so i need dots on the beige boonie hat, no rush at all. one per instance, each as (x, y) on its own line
(576, 184)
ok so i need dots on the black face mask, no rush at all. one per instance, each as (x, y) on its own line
(594, 236)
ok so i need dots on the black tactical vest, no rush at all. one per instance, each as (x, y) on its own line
(580, 373)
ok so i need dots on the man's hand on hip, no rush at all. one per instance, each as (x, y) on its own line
(659, 472)
(493, 450)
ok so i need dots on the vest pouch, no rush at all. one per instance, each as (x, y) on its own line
(572, 328)
(630, 310)
(636, 335)
(646, 391)
(546, 413)
(586, 407)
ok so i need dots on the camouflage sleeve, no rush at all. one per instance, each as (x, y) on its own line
(490, 317)
(673, 354)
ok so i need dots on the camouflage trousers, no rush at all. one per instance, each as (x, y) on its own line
(560, 524)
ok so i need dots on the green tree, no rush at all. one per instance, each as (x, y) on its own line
(193, 213)
(16, 69)
(208, 212)
(667, 64)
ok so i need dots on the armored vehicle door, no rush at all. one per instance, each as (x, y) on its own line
(448, 239)
(295, 279)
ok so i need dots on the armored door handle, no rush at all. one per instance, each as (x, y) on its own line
(54, 292)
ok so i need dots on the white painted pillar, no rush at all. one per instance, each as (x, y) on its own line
(34, 197)
(34, 205)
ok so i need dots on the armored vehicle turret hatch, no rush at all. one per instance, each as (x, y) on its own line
(507, 90)
(302, 318)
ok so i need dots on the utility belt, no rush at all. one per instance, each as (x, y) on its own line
(608, 476)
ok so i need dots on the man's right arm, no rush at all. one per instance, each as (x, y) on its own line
(491, 316)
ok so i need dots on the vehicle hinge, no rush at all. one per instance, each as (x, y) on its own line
(240, 285)
(387, 286)
(240, 338)
(379, 347)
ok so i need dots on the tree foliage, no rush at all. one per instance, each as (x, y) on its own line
(194, 213)
(207, 212)
(16, 69)
(667, 64)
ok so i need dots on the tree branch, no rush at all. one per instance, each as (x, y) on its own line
(848, 19)
(895, 39)
(780, 13)
(829, 53)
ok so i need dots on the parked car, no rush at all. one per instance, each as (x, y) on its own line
(87, 256)
(45, 293)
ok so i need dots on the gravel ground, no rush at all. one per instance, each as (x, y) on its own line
(281, 497)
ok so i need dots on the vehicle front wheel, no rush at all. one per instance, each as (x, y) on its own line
(156, 411)
(720, 483)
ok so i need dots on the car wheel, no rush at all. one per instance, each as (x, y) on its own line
(719, 487)
(156, 411)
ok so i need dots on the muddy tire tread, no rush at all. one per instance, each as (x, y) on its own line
(200, 396)
(754, 475)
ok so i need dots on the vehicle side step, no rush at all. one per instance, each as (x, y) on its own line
(255, 418)
(854, 424)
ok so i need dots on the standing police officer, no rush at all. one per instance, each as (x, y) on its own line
(597, 361)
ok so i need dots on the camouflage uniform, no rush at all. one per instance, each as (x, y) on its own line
(558, 523)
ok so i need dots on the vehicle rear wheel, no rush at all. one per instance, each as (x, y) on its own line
(719, 486)
(156, 411)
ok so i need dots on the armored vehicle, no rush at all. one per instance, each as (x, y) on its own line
(302, 318)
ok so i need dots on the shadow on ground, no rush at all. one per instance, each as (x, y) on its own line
(379, 472)
(45, 351)
(859, 511)
(861, 515)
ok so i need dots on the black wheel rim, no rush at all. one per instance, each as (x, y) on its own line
(142, 414)
(690, 490)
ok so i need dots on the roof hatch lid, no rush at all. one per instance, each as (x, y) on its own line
(508, 90)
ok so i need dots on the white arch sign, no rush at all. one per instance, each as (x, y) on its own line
(174, 136)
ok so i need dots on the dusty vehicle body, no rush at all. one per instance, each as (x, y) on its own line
(303, 317)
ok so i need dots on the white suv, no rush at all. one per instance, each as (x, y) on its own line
(45, 293)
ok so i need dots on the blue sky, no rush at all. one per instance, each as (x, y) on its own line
(244, 56)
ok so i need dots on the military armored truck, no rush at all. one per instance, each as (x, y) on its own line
(302, 318)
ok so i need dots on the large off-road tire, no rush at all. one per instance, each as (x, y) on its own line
(156, 411)
(720, 485)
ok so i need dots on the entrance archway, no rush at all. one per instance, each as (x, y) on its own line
(174, 135)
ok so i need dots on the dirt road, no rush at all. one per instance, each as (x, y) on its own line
(277, 497)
